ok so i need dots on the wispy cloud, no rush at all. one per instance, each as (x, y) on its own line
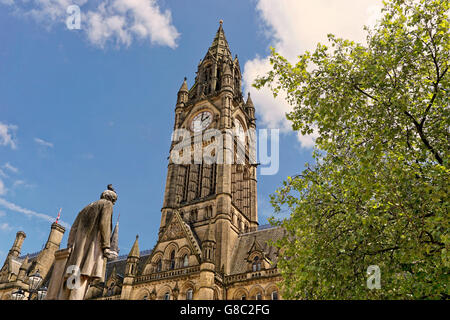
(29, 213)
(5, 226)
(103, 21)
(3, 174)
(7, 135)
(43, 143)
(10, 167)
(22, 183)
(2, 188)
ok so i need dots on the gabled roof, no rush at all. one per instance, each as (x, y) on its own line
(255, 241)
(176, 229)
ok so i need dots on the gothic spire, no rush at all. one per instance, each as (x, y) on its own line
(219, 46)
(134, 252)
(115, 237)
(184, 87)
(249, 102)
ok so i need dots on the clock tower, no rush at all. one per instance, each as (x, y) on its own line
(219, 199)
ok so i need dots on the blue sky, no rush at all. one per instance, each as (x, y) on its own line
(80, 109)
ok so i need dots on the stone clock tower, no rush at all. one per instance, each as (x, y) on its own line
(220, 198)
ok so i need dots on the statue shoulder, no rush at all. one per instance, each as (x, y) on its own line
(105, 203)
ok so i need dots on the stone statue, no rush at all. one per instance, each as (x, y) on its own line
(88, 248)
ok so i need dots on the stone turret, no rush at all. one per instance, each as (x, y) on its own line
(207, 267)
(130, 270)
(182, 96)
(46, 257)
(17, 246)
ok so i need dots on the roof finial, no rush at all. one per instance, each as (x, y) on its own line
(221, 21)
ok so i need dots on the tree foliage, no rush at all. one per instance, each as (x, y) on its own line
(378, 192)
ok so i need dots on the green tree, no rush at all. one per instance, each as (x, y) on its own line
(378, 192)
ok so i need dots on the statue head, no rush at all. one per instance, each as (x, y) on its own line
(109, 194)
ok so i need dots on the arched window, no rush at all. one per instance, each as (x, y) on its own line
(158, 265)
(243, 297)
(185, 260)
(189, 294)
(258, 296)
(167, 296)
(274, 295)
(172, 260)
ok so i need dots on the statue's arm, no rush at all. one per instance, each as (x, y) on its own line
(105, 225)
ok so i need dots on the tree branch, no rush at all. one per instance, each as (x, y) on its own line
(423, 137)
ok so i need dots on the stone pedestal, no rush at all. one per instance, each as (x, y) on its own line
(58, 274)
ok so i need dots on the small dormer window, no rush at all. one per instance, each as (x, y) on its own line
(256, 265)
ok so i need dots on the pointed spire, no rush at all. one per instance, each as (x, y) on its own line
(113, 273)
(249, 102)
(220, 45)
(184, 87)
(115, 237)
(134, 252)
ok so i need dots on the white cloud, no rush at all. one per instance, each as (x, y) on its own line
(103, 21)
(294, 27)
(29, 213)
(7, 2)
(124, 20)
(5, 227)
(43, 143)
(2, 188)
(22, 183)
(3, 174)
(10, 167)
(7, 135)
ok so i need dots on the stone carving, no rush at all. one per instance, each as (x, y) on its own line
(173, 231)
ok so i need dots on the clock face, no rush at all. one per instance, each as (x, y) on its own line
(201, 121)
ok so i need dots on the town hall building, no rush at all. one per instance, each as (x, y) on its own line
(210, 244)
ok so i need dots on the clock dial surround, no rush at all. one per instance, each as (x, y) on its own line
(201, 121)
